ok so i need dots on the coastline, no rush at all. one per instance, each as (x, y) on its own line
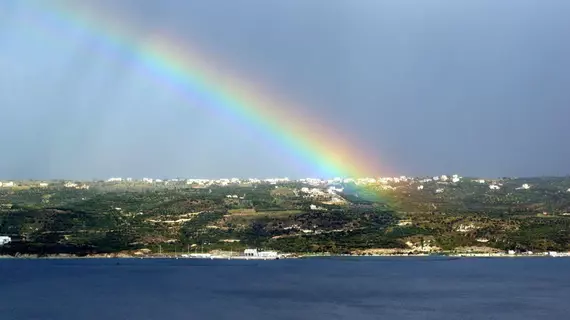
(453, 255)
(291, 256)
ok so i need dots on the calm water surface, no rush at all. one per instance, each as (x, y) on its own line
(327, 288)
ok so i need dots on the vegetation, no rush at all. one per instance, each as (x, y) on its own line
(115, 217)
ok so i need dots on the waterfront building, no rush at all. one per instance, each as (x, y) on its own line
(4, 240)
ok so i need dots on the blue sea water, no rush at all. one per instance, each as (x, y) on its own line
(320, 288)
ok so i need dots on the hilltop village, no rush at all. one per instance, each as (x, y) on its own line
(446, 214)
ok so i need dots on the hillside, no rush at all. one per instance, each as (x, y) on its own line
(416, 215)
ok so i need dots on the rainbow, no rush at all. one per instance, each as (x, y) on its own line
(194, 75)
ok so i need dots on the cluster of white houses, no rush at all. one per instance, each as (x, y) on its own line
(383, 182)
(248, 254)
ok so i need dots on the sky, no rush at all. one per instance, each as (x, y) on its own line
(479, 88)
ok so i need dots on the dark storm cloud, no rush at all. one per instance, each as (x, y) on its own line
(478, 88)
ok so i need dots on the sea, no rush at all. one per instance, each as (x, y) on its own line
(314, 288)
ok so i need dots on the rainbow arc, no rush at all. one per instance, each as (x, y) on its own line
(190, 70)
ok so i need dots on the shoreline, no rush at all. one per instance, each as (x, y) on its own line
(454, 255)
(291, 256)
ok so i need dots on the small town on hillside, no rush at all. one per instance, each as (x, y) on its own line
(444, 214)
(383, 182)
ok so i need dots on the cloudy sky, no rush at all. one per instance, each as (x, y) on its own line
(480, 88)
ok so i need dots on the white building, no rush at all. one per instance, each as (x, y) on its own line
(334, 190)
(4, 240)
(250, 252)
(553, 253)
(196, 181)
(494, 187)
(261, 254)
(276, 180)
(525, 186)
